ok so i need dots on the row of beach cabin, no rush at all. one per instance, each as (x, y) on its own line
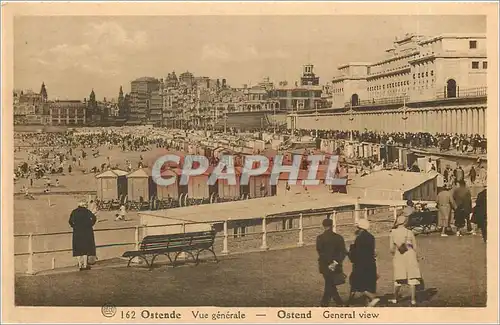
(138, 187)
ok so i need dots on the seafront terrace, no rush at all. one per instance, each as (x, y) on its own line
(242, 226)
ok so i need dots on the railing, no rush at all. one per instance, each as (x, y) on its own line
(384, 101)
(463, 93)
(45, 251)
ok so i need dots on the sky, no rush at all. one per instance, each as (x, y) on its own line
(75, 54)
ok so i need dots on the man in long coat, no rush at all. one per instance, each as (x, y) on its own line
(479, 214)
(445, 205)
(463, 200)
(459, 174)
(82, 220)
(332, 252)
(472, 175)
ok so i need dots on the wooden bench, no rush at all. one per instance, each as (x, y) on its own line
(192, 243)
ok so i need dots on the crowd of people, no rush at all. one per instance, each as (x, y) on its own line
(52, 154)
(462, 143)
(363, 279)
(455, 204)
(63, 152)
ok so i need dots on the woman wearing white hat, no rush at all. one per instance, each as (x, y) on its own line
(403, 247)
(363, 278)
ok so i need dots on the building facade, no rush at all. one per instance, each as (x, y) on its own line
(31, 107)
(297, 98)
(140, 97)
(67, 112)
(156, 108)
(435, 85)
(186, 78)
(416, 68)
(306, 96)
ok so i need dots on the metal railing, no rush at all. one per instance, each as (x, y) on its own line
(384, 101)
(114, 241)
(463, 93)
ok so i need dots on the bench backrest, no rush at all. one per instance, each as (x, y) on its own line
(204, 238)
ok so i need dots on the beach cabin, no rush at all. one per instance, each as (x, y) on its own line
(112, 186)
(260, 185)
(141, 187)
(426, 163)
(229, 192)
(221, 151)
(198, 190)
(396, 185)
(167, 194)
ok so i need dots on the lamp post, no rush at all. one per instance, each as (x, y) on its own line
(405, 116)
(225, 122)
(317, 119)
(274, 118)
(351, 118)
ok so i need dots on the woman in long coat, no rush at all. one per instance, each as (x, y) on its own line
(405, 264)
(363, 278)
(82, 221)
(445, 205)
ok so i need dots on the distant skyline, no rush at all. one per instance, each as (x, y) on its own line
(74, 54)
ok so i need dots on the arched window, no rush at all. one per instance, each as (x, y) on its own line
(451, 88)
(355, 100)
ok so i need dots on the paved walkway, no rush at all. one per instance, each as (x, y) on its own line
(454, 270)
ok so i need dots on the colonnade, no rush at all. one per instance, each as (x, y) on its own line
(460, 120)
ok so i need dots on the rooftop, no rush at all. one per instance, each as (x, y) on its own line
(299, 87)
(151, 79)
(257, 208)
(393, 180)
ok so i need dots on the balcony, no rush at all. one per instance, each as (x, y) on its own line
(390, 71)
(462, 93)
(379, 101)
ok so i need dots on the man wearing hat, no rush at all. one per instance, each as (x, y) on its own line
(82, 220)
(332, 252)
(409, 209)
(463, 199)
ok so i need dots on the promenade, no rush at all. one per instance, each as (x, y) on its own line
(454, 270)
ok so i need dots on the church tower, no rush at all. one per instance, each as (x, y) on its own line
(91, 105)
(43, 93)
(121, 103)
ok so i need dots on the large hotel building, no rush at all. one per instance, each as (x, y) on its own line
(423, 84)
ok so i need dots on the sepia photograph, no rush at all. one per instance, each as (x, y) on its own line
(317, 166)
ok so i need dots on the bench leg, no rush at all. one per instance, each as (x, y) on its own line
(211, 250)
(197, 261)
(175, 258)
(192, 256)
(152, 261)
(185, 252)
(169, 258)
(206, 249)
(139, 256)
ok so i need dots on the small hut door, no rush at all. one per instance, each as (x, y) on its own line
(153, 188)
